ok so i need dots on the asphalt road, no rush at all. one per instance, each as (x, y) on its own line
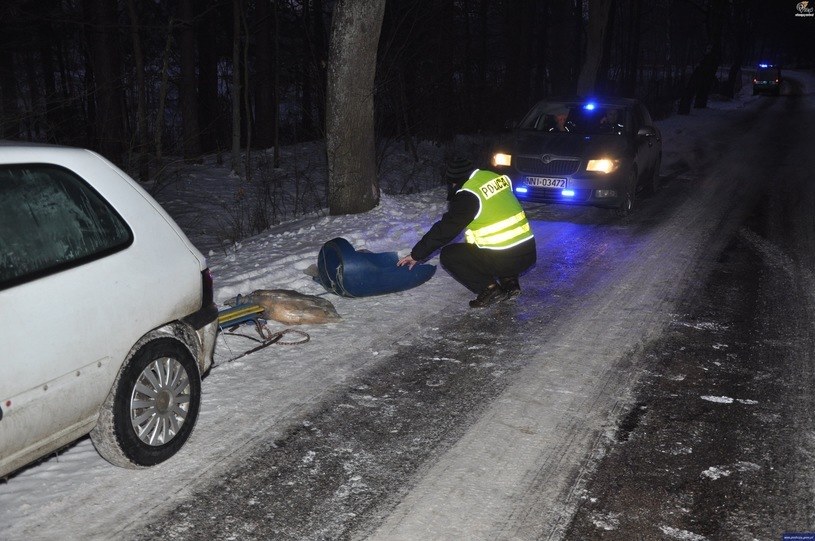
(718, 443)
(651, 383)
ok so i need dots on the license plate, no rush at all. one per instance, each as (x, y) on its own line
(546, 182)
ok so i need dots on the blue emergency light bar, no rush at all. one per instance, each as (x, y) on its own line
(590, 106)
(567, 193)
(521, 189)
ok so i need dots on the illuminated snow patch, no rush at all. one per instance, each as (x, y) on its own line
(606, 521)
(684, 535)
(715, 473)
(718, 399)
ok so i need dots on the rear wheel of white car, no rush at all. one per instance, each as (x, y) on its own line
(152, 408)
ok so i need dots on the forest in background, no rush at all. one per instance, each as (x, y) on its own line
(140, 80)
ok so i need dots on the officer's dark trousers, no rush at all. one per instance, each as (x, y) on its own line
(477, 267)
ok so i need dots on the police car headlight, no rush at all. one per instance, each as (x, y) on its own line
(501, 159)
(604, 165)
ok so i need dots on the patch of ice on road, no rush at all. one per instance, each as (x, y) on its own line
(720, 346)
(718, 399)
(746, 466)
(715, 473)
(684, 535)
(681, 449)
(728, 400)
(355, 485)
(445, 359)
(703, 325)
(606, 521)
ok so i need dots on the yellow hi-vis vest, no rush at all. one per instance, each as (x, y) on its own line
(500, 222)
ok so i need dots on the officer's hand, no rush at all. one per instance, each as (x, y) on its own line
(407, 260)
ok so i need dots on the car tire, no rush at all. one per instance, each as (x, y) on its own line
(152, 407)
(655, 181)
(627, 204)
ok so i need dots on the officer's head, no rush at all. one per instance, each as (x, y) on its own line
(457, 173)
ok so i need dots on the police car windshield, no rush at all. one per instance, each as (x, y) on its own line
(579, 119)
(766, 74)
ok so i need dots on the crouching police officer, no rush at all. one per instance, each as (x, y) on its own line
(500, 245)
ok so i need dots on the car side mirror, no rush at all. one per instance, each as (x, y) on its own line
(647, 131)
(510, 124)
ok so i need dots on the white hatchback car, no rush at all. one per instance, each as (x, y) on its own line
(107, 319)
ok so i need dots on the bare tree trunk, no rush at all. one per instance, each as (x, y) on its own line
(519, 18)
(9, 113)
(9, 108)
(88, 78)
(54, 107)
(632, 48)
(141, 108)
(701, 80)
(353, 186)
(264, 66)
(162, 95)
(247, 102)
(595, 43)
(314, 67)
(276, 135)
(107, 79)
(189, 98)
(236, 85)
(601, 82)
(469, 66)
(210, 115)
(563, 45)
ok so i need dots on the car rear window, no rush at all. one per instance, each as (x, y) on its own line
(50, 220)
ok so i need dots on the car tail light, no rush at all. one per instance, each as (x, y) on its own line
(208, 296)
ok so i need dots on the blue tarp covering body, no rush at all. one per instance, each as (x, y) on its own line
(349, 273)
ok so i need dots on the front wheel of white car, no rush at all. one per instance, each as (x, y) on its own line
(152, 408)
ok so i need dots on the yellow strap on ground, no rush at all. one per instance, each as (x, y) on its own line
(238, 312)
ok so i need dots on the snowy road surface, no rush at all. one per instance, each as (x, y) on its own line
(537, 387)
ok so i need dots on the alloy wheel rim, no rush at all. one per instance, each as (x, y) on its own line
(160, 401)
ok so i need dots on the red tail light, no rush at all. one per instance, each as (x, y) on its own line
(208, 296)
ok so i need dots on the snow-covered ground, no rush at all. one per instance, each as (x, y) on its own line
(261, 395)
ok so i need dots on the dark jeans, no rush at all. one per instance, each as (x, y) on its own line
(477, 267)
